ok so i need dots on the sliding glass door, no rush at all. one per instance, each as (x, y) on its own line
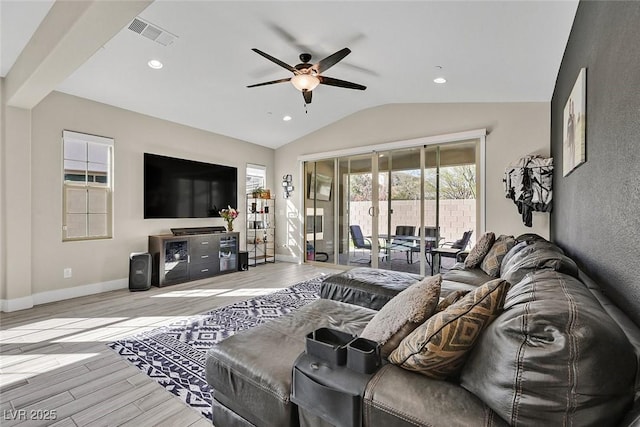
(320, 205)
(387, 209)
(399, 200)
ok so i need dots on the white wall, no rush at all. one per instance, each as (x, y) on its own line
(32, 150)
(514, 130)
(100, 264)
(3, 281)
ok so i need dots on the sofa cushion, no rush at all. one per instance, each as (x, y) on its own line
(400, 316)
(562, 359)
(479, 250)
(468, 276)
(493, 260)
(397, 397)
(367, 287)
(537, 256)
(438, 348)
(530, 238)
(250, 372)
(512, 252)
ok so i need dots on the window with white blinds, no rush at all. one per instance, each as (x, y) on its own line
(87, 186)
(256, 177)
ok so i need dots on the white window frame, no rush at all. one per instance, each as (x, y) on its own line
(257, 172)
(97, 225)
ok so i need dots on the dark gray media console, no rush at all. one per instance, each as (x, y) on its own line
(183, 258)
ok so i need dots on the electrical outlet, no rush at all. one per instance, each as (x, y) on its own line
(67, 273)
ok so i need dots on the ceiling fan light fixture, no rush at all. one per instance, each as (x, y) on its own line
(440, 80)
(305, 82)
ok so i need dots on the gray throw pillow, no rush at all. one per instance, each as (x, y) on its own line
(479, 250)
(405, 312)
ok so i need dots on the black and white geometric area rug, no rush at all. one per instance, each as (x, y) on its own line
(174, 355)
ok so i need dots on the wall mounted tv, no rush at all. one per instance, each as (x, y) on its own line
(178, 188)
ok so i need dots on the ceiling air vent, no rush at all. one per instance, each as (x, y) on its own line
(152, 32)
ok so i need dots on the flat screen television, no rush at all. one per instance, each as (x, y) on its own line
(178, 188)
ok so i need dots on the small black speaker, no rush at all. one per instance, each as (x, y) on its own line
(243, 261)
(139, 271)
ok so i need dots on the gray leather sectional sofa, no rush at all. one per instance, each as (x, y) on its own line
(560, 353)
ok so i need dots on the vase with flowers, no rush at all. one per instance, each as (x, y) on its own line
(229, 215)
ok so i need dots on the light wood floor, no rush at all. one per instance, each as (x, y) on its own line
(54, 357)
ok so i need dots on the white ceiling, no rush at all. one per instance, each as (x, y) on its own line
(502, 51)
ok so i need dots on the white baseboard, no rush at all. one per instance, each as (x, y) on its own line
(23, 303)
(16, 304)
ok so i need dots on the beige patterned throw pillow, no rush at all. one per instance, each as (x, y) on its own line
(405, 312)
(492, 261)
(479, 250)
(439, 347)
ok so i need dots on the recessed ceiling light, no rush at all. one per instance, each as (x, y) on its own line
(155, 64)
(439, 80)
(286, 118)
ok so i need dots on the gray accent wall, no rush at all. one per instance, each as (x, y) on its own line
(596, 212)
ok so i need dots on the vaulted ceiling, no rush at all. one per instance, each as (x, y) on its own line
(497, 51)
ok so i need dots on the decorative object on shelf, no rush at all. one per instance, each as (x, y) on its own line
(287, 185)
(574, 125)
(261, 193)
(229, 215)
(528, 183)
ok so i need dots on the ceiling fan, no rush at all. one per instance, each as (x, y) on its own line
(307, 76)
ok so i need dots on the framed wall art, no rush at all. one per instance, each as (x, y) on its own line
(319, 187)
(574, 126)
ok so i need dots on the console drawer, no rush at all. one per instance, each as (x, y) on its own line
(201, 271)
(203, 245)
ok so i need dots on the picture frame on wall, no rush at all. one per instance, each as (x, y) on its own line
(574, 126)
(319, 187)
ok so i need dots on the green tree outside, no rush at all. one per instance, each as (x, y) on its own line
(456, 182)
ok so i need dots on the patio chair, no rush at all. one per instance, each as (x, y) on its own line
(455, 247)
(432, 234)
(460, 243)
(361, 242)
(404, 245)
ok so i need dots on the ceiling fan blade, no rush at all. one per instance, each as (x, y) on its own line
(331, 60)
(276, 60)
(330, 81)
(307, 96)
(271, 82)
(289, 38)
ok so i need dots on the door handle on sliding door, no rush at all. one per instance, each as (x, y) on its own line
(372, 211)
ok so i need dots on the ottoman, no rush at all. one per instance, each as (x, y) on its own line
(250, 372)
(366, 287)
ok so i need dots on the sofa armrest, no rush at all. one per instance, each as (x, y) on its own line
(397, 397)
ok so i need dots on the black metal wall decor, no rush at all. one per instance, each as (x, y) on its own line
(528, 183)
(287, 185)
